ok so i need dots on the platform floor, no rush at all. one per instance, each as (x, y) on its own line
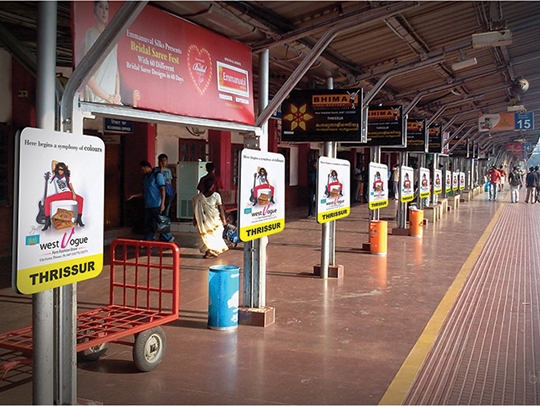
(451, 318)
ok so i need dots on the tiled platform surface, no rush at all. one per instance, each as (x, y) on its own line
(334, 341)
(488, 351)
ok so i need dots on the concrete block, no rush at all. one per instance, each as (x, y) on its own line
(258, 317)
(334, 271)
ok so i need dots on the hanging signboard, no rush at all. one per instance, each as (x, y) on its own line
(455, 180)
(113, 125)
(261, 191)
(333, 189)
(437, 181)
(461, 148)
(417, 135)
(166, 64)
(424, 183)
(386, 126)
(496, 122)
(322, 115)
(448, 182)
(461, 181)
(58, 209)
(524, 121)
(435, 136)
(406, 184)
(378, 186)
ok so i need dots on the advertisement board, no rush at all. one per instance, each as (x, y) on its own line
(417, 135)
(461, 180)
(496, 122)
(448, 181)
(58, 209)
(437, 181)
(261, 208)
(406, 184)
(322, 115)
(333, 189)
(424, 182)
(435, 136)
(378, 186)
(167, 64)
(386, 126)
(455, 180)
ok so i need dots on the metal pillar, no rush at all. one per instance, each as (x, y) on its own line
(254, 284)
(42, 302)
(402, 207)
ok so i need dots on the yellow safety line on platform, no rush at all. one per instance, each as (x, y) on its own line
(399, 387)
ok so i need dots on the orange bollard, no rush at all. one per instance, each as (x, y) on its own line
(378, 237)
(416, 223)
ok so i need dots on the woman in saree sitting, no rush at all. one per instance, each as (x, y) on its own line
(209, 218)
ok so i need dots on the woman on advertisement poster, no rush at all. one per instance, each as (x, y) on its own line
(60, 185)
(378, 185)
(333, 187)
(262, 192)
(104, 85)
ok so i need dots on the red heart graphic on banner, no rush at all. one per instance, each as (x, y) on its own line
(200, 67)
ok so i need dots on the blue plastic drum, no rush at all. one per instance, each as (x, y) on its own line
(223, 297)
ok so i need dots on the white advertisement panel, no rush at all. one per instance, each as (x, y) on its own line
(378, 186)
(261, 207)
(437, 181)
(448, 182)
(333, 189)
(59, 209)
(406, 181)
(461, 180)
(425, 182)
(455, 180)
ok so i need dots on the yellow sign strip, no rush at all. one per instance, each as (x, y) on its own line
(48, 276)
(333, 214)
(399, 387)
(378, 205)
(260, 230)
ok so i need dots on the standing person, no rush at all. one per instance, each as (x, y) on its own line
(503, 178)
(395, 181)
(515, 179)
(154, 201)
(537, 171)
(104, 85)
(531, 182)
(209, 218)
(211, 174)
(494, 177)
(312, 185)
(357, 175)
(163, 161)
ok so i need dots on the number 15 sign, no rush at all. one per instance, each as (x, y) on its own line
(524, 121)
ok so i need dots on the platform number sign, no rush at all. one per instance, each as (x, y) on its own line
(524, 121)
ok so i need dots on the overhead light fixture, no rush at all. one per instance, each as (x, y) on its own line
(519, 108)
(492, 39)
(464, 64)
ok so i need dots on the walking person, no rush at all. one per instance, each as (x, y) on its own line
(494, 177)
(154, 202)
(209, 218)
(531, 181)
(515, 179)
(503, 178)
(537, 171)
(163, 161)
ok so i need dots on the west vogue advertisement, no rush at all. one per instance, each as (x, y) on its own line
(164, 63)
(424, 183)
(333, 189)
(437, 181)
(261, 193)
(461, 180)
(59, 210)
(455, 180)
(378, 186)
(406, 180)
(448, 182)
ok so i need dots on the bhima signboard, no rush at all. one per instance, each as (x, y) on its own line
(322, 115)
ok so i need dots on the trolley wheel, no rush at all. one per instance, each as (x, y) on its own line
(94, 353)
(149, 349)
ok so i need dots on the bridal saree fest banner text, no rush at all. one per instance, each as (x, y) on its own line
(166, 64)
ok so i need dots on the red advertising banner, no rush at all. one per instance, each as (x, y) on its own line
(167, 64)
